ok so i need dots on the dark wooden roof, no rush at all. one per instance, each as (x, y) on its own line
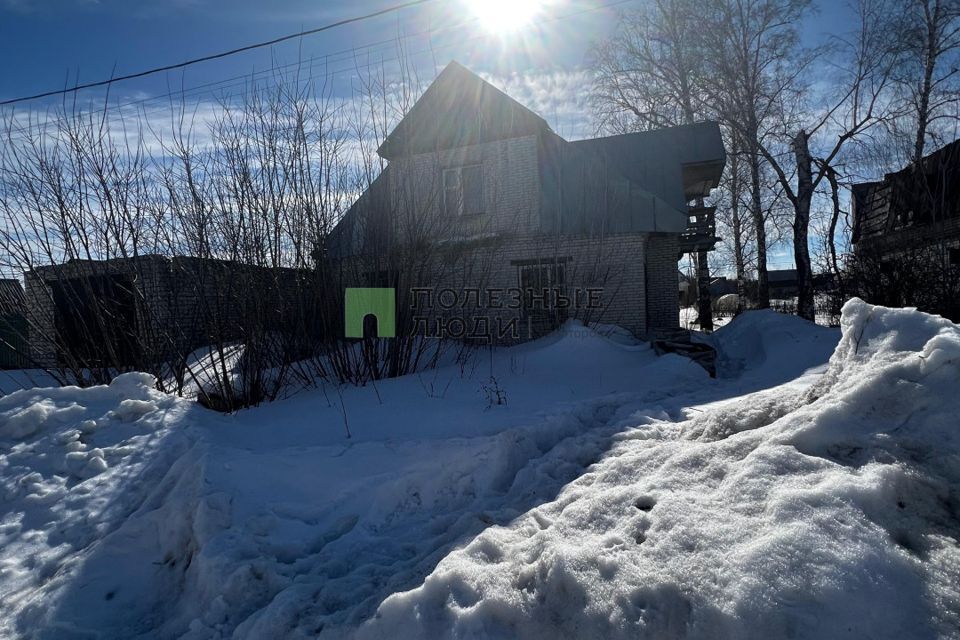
(914, 197)
(871, 209)
(458, 109)
(364, 227)
(585, 191)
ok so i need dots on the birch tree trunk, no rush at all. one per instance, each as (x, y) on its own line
(933, 17)
(801, 225)
(834, 220)
(759, 224)
(735, 222)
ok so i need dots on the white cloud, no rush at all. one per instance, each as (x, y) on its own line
(555, 95)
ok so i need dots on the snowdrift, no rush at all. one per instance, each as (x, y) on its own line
(769, 346)
(160, 519)
(833, 513)
(76, 465)
(615, 495)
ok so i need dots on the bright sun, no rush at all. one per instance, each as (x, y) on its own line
(503, 16)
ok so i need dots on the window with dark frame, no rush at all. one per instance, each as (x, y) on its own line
(535, 279)
(463, 190)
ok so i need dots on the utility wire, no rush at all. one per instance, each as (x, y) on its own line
(216, 56)
(324, 61)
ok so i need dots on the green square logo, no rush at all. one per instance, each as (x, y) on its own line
(362, 302)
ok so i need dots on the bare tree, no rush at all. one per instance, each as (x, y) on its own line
(730, 211)
(182, 250)
(753, 62)
(926, 37)
(649, 75)
(778, 88)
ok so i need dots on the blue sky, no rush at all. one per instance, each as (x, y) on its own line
(47, 43)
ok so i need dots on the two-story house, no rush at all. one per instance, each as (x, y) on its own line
(479, 193)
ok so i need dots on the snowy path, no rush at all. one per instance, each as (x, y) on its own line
(818, 512)
(603, 473)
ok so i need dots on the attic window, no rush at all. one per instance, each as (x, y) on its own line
(463, 190)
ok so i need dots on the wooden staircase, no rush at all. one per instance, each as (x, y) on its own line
(701, 231)
(680, 342)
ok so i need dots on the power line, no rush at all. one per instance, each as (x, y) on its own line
(338, 56)
(247, 78)
(216, 56)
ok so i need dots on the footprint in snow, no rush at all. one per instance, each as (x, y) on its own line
(645, 503)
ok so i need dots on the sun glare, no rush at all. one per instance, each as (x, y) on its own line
(504, 16)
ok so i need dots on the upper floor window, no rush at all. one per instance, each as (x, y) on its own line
(463, 190)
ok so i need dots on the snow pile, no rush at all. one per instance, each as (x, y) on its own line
(271, 523)
(320, 531)
(73, 464)
(52, 427)
(614, 494)
(833, 512)
(771, 346)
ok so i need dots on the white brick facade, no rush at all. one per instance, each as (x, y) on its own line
(636, 271)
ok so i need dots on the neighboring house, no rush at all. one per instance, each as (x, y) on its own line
(148, 308)
(480, 193)
(906, 234)
(912, 208)
(782, 284)
(723, 286)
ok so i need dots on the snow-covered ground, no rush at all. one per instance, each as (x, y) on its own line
(609, 493)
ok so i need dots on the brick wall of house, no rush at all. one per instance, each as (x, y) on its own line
(614, 265)
(147, 273)
(636, 271)
(663, 305)
(510, 185)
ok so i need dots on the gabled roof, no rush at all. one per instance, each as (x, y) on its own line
(458, 109)
(585, 190)
(637, 182)
(913, 196)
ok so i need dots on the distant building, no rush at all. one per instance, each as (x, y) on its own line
(483, 182)
(722, 286)
(151, 308)
(783, 284)
(912, 208)
(906, 234)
